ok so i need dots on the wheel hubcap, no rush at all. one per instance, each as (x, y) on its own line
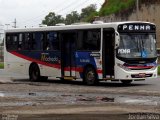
(34, 74)
(90, 76)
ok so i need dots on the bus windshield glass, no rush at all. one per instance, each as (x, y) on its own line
(137, 45)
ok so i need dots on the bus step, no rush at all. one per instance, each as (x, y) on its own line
(108, 79)
(69, 78)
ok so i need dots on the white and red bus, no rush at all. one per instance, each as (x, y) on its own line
(124, 51)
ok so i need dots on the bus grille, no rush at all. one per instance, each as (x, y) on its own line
(140, 76)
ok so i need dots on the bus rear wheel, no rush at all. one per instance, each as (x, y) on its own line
(34, 72)
(90, 76)
(126, 82)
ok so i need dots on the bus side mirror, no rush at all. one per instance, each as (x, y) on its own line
(117, 40)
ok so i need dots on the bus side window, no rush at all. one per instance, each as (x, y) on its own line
(89, 40)
(26, 45)
(20, 41)
(92, 40)
(12, 41)
(8, 41)
(38, 41)
(15, 42)
(80, 40)
(53, 41)
(44, 41)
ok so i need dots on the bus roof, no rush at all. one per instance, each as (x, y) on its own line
(73, 26)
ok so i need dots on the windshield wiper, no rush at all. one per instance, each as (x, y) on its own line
(142, 43)
(138, 45)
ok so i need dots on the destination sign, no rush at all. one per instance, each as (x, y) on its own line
(136, 27)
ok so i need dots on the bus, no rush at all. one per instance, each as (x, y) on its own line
(123, 51)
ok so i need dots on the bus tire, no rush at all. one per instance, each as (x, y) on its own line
(34, 73)
(126, 82)
(43, 78)
(90, 76)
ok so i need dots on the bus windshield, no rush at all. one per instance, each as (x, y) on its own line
(137, 46)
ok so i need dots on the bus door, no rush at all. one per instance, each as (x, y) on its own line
(108, 53)
(68, 54)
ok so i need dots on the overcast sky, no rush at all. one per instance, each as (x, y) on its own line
(31, 12)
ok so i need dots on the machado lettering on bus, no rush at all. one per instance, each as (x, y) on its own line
(46, 58)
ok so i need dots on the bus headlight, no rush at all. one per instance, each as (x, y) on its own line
(123, 67)
(153, 68)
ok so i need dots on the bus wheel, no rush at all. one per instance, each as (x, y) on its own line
(90, 76)
(126, 82)
(34, 73)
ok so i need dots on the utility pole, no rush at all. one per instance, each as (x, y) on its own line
(15, 23)
(137, 11)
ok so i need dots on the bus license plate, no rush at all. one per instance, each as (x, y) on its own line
(142, 75)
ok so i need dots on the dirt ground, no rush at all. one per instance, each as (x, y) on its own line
(57, 100)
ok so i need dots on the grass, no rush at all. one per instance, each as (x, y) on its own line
(1, 65)
(111, 7)
(114, 6)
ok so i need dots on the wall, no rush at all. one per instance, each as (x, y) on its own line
(148, 11)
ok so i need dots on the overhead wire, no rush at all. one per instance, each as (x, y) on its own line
(76, 7)
(41, 14)
(66, 7)
(35, 19)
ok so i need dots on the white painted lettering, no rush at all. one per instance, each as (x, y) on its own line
(142, 27)
(124, 51)
(130, 27)
(124, 27)
(136, 27)
(148, 27)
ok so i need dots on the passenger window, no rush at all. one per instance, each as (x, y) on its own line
(53, 41)
(20, 41)
(89, 40)
(12, 41)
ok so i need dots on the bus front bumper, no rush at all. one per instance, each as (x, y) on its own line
(122, 74)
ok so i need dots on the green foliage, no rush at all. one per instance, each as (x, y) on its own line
(73, 17)
(52, 19)
(87, 14)
(1, 65)
(114, 6)
(158, 70)
(91, 17)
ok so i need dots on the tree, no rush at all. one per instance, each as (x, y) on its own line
(52, 19)
(88, 11)
(73, 17)
(87, 15)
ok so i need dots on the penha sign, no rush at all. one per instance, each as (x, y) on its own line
(136, 28)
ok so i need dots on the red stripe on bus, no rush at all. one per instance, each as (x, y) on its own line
(99, 71)
(34, 60)
(77, 69)
(138, 67)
